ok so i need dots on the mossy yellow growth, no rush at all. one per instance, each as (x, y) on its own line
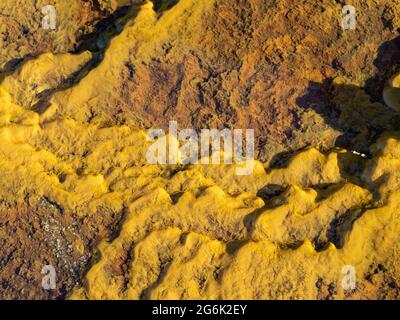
(383, 171)
(264, 249)
(40, 76)
(199, 231)
(142, 39)
(203, 227)
(301, 217)
(195, 266)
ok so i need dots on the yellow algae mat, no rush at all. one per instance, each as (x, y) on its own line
(321, 225)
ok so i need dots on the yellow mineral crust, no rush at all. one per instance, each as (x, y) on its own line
(198, 231)
(140, 40)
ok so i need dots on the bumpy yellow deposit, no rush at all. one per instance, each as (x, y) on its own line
(194, 232)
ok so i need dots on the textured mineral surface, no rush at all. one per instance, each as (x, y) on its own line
(77, 191)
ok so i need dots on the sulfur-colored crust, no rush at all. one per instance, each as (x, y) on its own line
(210, 245)
(76, 187)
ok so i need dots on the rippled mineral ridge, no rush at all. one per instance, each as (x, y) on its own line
(76, 191)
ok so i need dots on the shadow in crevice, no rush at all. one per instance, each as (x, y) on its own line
(12, 65)
(341, 226)
(282, 159)
(270, 191)
(163, 5)
(251, 219)
(387, 63)
(358, 112)
(105, 30)
(110, 27)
